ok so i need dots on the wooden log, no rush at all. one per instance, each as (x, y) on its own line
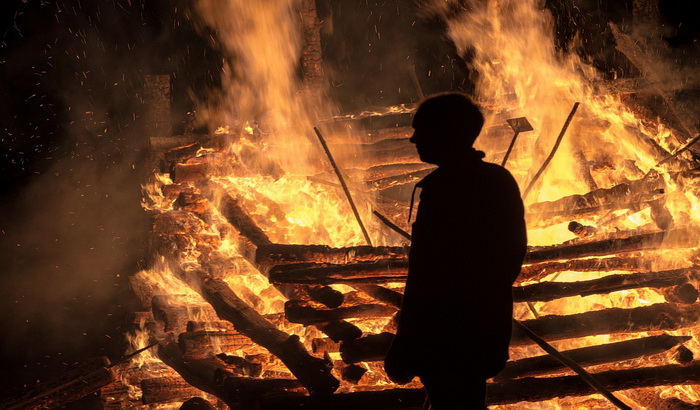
(183, 152)
(604, 199)
(512, 391)
(234, 213)
(311, 59)
(367, 348)
(538, 271)
(190, 172)
(298, 311)
(244, 393)
(352, 373)
(198, 403)
(312, 372)
(381, 271)
(535, 389)
(619, 244)
(326, 295)
(202, 344)
(387, 171)
(324, 345)
(201, 373)
(684, 293)
(278, 254)
(166, 390)
(339, 330)
(660, 316)
(115, 396)
(589, 356)
(382, 294)
(66, 388)
(175, 311)
(547, 291)
(398, 180)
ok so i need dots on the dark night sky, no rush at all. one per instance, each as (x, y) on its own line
(72, 149)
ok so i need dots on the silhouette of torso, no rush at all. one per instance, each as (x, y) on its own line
(468, 244)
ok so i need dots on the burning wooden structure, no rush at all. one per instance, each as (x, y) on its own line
(250, 313)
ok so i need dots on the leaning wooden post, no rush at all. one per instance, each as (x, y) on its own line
(344, 185)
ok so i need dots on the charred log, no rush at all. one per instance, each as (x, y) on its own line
(382, 294)
(538, 271)
(376, 272)
(202, 344)
(302, 312)
(326, 295)
(618, 244)
(661, 316)
(366, 349)
(588, 356)
(277, 254)
(312, 372)
(547, 291)
(234, 213)
(339, 330)
(166, 390)
(511, 391)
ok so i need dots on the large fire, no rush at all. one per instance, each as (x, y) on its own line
(605, 185)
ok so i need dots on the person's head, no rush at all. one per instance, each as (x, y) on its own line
(446, 126)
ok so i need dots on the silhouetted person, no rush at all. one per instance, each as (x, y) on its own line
(468, 244)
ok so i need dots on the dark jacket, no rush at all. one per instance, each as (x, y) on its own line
(468, 244)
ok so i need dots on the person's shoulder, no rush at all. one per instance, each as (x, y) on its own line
(496, 170)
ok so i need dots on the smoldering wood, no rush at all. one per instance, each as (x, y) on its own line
(200, 373)
(166, 390)
(367, 348)
(215, 325)
(683, 355)
(74, 384)
(538, 271)
(282, 254)
(234, 213)
(339, 330)
(163, 244)
(324, 345)
(298, 311)
(387, 399)
(182, 172)
(660, 316)
(249, 366)
(312, 372)
(546, 291)
(381, 271)
(201, 344)
(115, 396)
(593, 355)
(182, 153)
(175, 311)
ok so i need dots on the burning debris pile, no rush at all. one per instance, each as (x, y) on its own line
(262, 294)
